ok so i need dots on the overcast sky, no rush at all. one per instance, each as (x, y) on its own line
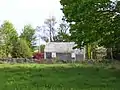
(34, 12)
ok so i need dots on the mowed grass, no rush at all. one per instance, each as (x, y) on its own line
(58, 77)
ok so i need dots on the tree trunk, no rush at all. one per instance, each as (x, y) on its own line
(50, 35)
(111, 52)
(50, 32)
(86, 50)
(89, 52)
(94, 54)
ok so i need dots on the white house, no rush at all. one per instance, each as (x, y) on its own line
(63, 51)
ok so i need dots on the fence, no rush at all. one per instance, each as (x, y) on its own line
(17, 60)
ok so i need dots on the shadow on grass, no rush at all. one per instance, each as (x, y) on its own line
(36, 77)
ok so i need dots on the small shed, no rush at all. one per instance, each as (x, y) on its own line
(63, 51)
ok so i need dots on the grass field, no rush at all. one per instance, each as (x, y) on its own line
(58, 77)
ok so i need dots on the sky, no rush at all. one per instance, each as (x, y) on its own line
(34, 12)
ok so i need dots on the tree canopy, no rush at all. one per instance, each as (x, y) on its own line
(8, 36)
(28, 34)
(93, 21)
(62, 33)
(11, 45)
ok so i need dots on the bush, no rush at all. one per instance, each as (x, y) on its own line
(38, 56)
(21, 49)
(1, 62)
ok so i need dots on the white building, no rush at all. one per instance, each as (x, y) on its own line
(63, 51)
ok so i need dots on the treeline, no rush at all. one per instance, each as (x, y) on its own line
(12, 45)
(24, 45)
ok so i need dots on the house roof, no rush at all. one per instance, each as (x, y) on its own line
(61, 47)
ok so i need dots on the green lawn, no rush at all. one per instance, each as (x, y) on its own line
(58, 77)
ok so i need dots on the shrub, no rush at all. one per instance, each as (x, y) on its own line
(21, 49)
(38, 57)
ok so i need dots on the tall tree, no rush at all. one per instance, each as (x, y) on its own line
(47, 32)
(50, 27)
(9, 36)
(29, 35)
(2, 46)
(93, 21)
(62, 33)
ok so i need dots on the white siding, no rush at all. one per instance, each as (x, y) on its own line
(63, 47)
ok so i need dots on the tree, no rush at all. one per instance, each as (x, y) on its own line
(63, 33)
(93, 21)
(21, 49)
(48, 29)
(2, 46)
(29, 35)
(42, 47)
(9, 37)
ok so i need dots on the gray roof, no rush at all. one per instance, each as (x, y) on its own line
(61, 47)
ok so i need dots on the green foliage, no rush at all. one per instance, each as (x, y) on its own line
(8, 37)
(29, 35)
(93, 21)
(63, 34)
(58, 77)
(11, 45)
(2, 51)
(21, 49)
(42, 47)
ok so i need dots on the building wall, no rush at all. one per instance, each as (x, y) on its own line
(79, 57)
(64, 56)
